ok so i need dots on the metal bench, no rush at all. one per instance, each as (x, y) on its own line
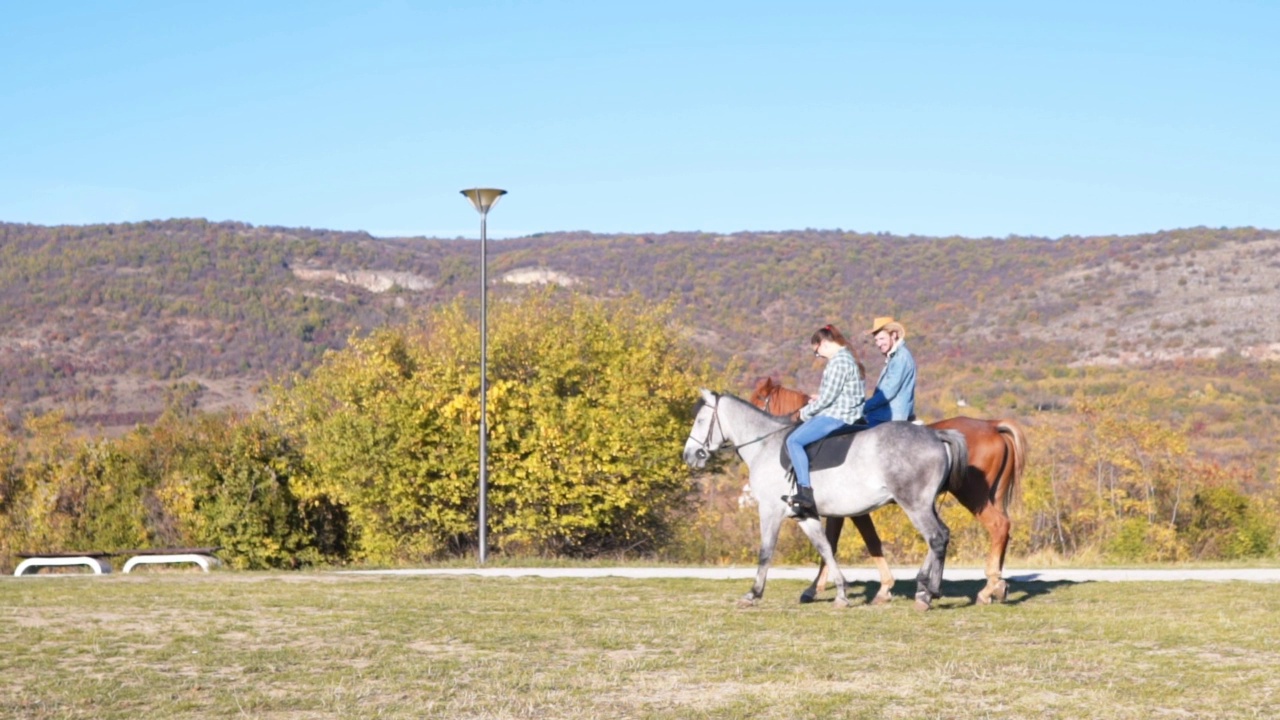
(169, 556)
(96, 561)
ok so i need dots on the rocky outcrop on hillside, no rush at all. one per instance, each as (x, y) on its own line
(1155, 306)
(377, 281)
(538, 276)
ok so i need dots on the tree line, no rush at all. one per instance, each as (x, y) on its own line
(371, 458)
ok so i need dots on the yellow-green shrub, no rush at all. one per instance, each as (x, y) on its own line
(188, 480)
(588, 410)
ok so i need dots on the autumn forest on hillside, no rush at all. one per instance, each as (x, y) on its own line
(192, 383)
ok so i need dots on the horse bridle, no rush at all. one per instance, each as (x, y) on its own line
(705, 451)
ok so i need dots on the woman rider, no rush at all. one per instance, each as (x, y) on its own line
(837, 405)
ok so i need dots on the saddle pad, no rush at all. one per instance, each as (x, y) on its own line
(828, 452)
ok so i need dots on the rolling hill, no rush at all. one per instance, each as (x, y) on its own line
(108, 321)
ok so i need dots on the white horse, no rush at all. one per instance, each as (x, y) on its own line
(851, 475)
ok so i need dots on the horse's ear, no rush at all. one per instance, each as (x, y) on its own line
(708, 397)
(763, 383)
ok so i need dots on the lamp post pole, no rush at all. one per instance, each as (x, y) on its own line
(484, 199)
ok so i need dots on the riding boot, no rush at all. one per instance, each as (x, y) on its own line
(802, 502)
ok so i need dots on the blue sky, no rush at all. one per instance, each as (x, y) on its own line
(936, 118)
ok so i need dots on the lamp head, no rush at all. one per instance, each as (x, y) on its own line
(483, 198)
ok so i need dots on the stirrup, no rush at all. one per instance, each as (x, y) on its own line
(801, 512)
(801, 502)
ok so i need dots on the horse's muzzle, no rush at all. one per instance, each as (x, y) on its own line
(695, 456)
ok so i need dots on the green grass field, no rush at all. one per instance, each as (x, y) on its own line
(188, 645)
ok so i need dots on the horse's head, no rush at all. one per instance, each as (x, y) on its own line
(707, 435)
(765, 387)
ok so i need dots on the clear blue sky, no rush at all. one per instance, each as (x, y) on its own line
(972, 118)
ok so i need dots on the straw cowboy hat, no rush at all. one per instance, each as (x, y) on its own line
(888, 323)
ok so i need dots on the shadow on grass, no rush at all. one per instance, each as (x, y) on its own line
(1019, 592)
(955, 593)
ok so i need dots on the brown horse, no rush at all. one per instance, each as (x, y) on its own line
(997, 457)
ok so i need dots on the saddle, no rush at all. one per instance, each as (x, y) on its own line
(828, 452)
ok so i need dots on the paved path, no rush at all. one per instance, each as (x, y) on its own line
(858, 574)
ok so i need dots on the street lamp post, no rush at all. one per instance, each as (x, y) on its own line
(484, 199)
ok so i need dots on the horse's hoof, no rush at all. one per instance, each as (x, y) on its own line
(922, 602)
(807, 597)
(984, 597)
(841, 603)
(882, 598)
(746, 602)
(1001, 591)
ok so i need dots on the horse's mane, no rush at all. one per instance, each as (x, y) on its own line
(749, 404)
(744, 401)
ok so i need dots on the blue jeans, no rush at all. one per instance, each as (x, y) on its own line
(811, 431)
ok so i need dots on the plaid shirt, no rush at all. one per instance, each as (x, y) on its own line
(842, 392)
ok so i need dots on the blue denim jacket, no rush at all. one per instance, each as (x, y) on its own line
(895, 395)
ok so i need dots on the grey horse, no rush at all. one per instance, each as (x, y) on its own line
(894, 462)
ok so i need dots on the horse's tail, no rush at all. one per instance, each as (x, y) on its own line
(958, 452)
(1015, 442)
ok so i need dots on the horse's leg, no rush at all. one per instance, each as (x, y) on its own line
(834, 526)
(771, 514)
(937, 535)
(983, 497)
(812, 528)
(867, 529)
(997, 525)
